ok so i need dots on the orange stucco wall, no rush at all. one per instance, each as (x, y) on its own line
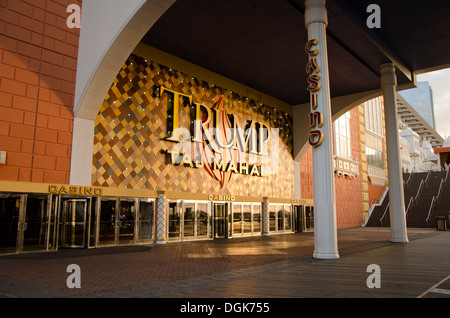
(347, 190)
(38, 60)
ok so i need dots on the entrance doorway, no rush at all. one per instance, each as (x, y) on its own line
(309, 218)
(303, 218)
(280, 218)
(189, 220)
(27, 223)
(117, 222)
(246, 219)
(220, 220)
(298, 218)
(73, 223)
(9, 222)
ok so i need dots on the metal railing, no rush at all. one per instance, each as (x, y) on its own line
(411, 200)
(433, 203)
(384, 213)
(428, 176)
(409, 179)
(415, 199)
(375, 202)
(446, 175)
(435, 199)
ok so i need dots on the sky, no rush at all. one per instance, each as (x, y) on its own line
(440, 84)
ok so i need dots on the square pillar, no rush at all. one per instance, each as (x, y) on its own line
(265, 216)
(82, 151)
(161, 218)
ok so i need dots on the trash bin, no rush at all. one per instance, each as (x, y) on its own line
(441, 223)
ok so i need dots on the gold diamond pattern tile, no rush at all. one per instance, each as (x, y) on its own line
(132, 123)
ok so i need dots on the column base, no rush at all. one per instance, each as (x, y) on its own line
(399, 240)
(326, 255)
(161, 242)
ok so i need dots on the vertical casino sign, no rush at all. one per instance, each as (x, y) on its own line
(315, 117)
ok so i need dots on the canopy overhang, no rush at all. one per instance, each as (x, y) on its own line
(260, 43)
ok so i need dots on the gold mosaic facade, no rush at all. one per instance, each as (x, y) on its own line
(129, 144)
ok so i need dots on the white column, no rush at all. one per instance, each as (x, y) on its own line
(396, 195)
(325, 233)
(82, 152)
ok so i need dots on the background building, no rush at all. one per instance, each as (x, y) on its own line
(421, 99)
(408, 115)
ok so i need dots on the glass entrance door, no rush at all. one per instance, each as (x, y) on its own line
(107, 222)
(174, 221)
(9, 223)
(194, 220)
(237, 219)
(247, 219)
(298, 218)
(220, 224)
(257, 219)
(189, 218)
(73, 227)
(203, 220)
(309, 218)
(126, 222)
(145, 227)
(24, 223)
(35, 223)
(117, 220)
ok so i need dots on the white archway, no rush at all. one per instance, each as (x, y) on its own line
(110, 30)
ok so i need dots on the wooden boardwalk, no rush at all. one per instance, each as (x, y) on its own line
(277, 267)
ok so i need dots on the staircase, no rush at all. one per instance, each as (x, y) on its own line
(441, 206)
(417, 215)
(421, 203)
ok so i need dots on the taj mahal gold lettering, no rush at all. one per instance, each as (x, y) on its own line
(253, 139)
